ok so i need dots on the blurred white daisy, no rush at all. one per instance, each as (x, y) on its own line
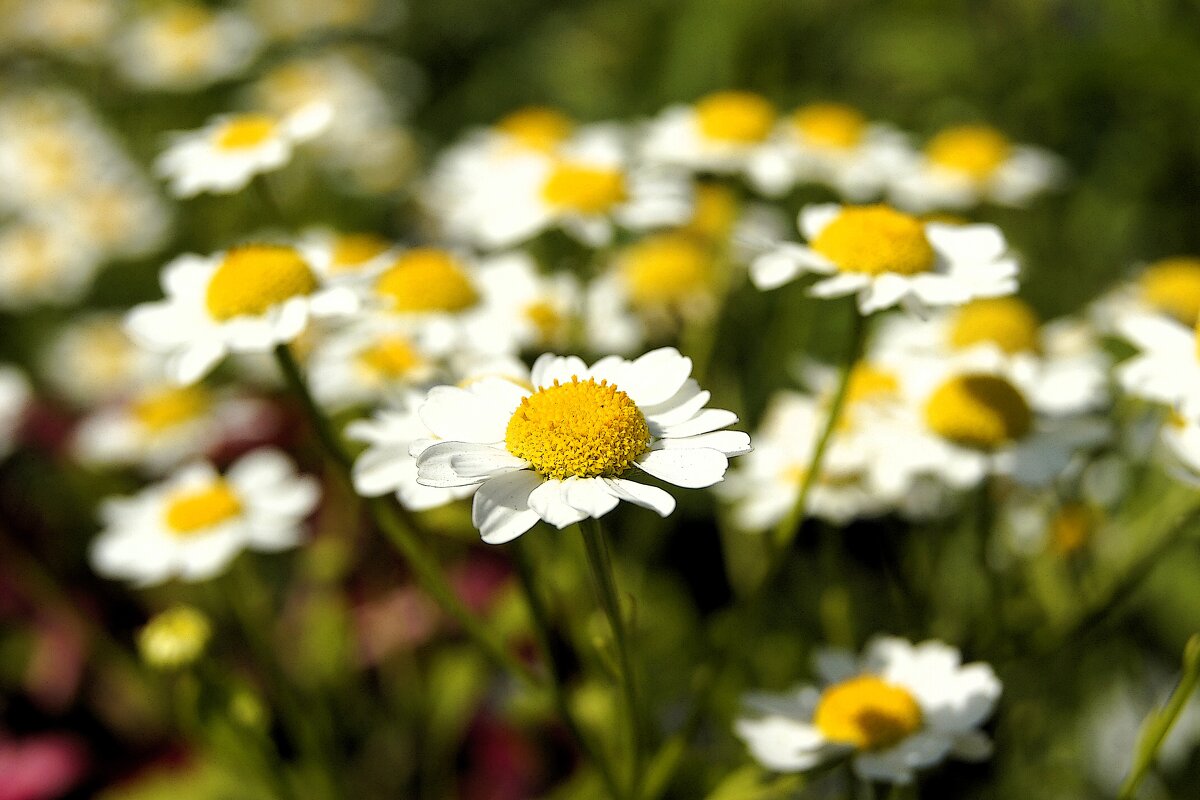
(44, 263)
(76, 29)
(1168, 286)
(15, 396)
(195, 523)
(374, 357)
(183, 46)
(968, 164)
(246, 300)
(1165, 370)
(566, 450)
(721, 133)
(887, 258)
(898, 709)
(351, 258)
(224, 155)
(91, 361)
(524, 308)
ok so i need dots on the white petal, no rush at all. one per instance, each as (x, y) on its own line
(380, 470)
(193, 363)
(550, 368)
(691, 469)
(501, 509)
(436, 464)
(729, 443)
(459, 415)
(655, 377)
(974, 243)
(710, 419)
(840, 285)
(813, 218)
(590, 495)
(657, 500)
(550, 502)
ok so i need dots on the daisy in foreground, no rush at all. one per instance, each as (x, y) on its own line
(566, 449)
(900, 708)
(889, 258)
(194, 524)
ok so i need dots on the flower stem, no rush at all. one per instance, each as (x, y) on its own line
(398, 527)
(600, 566)
(558, 679)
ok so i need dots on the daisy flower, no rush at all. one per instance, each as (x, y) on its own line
(567, 449)
(91, 361)
(246, 300)
(195, 523)
(374, 357)
(523, 308)
(965, 165)
(898, 709)
(15, 395)
(1168, 286)
(224, 155)
(721, 133)
(350, 258)
(44, 263)
(1166, 369)
(887, 258)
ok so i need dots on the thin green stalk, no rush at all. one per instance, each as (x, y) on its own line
(600, 566)
(558, 678)
(1159, 723)
(399, 529)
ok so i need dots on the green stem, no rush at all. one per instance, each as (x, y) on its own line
(395, 523)
(558, 678)
(1160, 722)
(600, 566)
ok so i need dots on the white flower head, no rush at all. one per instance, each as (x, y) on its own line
(724, 132)
(1167, 367)
(965, 165)
(375, 357)
(91, 361)
(567, 449)
(899, 709)
(44, 262)
(194, 524)
(245, 300)
(224, 155)
(524, 308)
(888, 258)
(349, 258)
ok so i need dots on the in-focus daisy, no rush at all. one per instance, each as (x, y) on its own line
(968, 164)
(224, 155)
(1167, 367)
(567, 450)
(194, 524)
(245, 300)
(721, 133)
(15, 395)
(898, 709)
(887, 258)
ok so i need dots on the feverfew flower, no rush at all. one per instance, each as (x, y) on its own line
(567, 449)
(888, 258)
(245, 300)
(374, 357)
(1167, 368)
(224, 155)
(350, 258)
(965, 165)
(43, 263)
(91, 361)
(723, 132)
(1168, 286)
(194, 524)
(524, 308)
(15, 395)
(899, 709)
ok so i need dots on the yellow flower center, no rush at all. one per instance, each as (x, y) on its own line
(740, 117)
(831, 125)
(1007, 322)
(1173, 285)
(978, 410)
(868, 382)
(582, 428)
(1070, 528)
(245, 131)
(976, 151)
(537, 127)
(546, 318)
(666, 269)
(875, 240)
(253, 278)
(391, 357)
(161, 410)
(427, 279)
(584, 189)
(714, 213)
(868, 713)
(350, 251)
(192, 512)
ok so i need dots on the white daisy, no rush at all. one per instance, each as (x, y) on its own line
(565, 450)
(1167, 367)
(899, 709)
(245, 300)
(194, 524)
(91, 361)
(374, 357)
(523, 308)
(15, 395)
(1168, 286)
(44, 263)
(350, 258)
(224, 155)
(723, 132)
(965, 165)
(889, 258)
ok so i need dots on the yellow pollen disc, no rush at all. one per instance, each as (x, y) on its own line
(715, 212)
(546, 318)
(741, 117)
(831, 125)
(584, 189)
(976, 151)
(426, 279)
(166, 408)
(1070, 528)
(980, 411)
(253, 278)
(245, 131)
(391, 357)
(582, 428)
(537, 127)
(195, 511)
(1173, 285)
(666, 269)
(350, 251)
(875, 240)
(1007, 322)
(868, 382)
(868, 713)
